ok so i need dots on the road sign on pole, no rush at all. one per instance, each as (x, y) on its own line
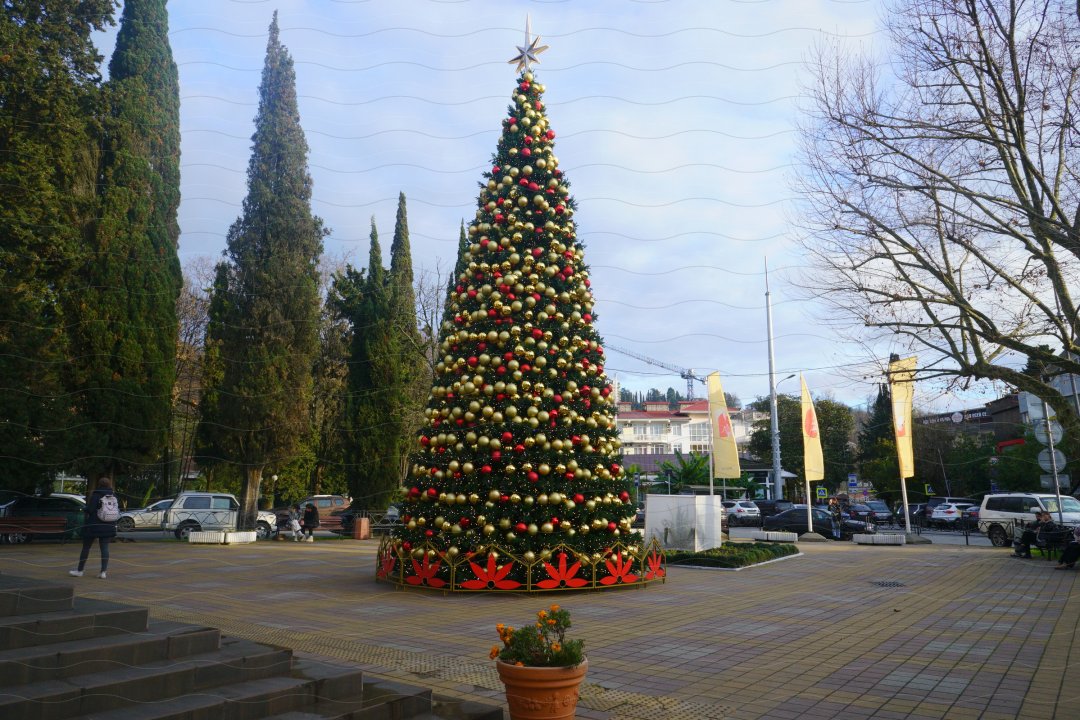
(822, 492)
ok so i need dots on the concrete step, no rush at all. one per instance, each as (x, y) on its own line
(86, 619)
(163, 640)
(288, 695)
(236, 662)
(250, 700)
(25, 596)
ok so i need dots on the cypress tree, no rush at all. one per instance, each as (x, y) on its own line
(131, 280)
(49, 99)
(268, 328)
(373, 432)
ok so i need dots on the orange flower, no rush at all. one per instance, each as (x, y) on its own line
(555, 647)
(494, 652)
(554, 608)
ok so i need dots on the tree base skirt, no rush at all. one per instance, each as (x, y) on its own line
(493, 568)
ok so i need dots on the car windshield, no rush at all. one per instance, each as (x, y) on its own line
(878, 506)
(1068, 504)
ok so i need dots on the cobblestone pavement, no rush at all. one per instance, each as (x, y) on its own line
(931, 631)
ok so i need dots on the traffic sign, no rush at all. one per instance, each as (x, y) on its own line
(822, 492)
(1055, 432)
(929, 489)
(1048, 464)
(1047, 481)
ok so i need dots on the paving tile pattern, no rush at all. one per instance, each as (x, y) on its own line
(875, 632)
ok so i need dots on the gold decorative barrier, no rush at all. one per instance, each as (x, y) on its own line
(492, 568)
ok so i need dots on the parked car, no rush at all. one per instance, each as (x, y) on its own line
(882, 514)
(934, 500)
(916, 513)
(773, 507)
(969, 518)
(639, 517)
(70, 508)
(147, 518)
(197, 511)
(1001, 512)
(946, 515)
(859, 511)
(331, 508)
(794, 520)
(742, 512)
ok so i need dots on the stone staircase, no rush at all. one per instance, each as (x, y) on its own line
(67, 657)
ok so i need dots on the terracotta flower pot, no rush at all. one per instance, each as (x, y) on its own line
(542, 693)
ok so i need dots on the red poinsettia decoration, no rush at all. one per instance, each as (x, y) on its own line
(561, 576)
(619, 567)
(491, 576)
(424, 573)
(387, 563)
(656, 566)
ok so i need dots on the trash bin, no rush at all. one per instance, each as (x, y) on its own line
(362, 528)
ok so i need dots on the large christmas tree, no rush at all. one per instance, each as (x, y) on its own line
(516, 483)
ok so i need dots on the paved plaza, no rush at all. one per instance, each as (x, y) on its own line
(843, 631)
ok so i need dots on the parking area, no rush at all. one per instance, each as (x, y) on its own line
(931, 631)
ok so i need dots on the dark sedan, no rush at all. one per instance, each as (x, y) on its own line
(794, 520)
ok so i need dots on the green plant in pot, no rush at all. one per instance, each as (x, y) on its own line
(540, 667)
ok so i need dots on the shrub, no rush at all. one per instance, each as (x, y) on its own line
(731, 556)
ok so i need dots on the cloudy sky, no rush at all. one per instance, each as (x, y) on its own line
(675, 125)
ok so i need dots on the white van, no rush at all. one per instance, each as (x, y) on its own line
(999, 514)
(196, 511)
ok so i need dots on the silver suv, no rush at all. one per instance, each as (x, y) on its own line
(197, 511)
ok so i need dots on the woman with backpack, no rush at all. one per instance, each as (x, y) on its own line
(101, 513)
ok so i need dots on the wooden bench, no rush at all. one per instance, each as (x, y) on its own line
(1053, 542)
(32, 526)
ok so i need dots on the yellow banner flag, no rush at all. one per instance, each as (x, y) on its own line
(902, 388)
(813, 462)
(724, 451)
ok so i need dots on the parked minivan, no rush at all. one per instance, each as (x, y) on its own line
(1000, 513)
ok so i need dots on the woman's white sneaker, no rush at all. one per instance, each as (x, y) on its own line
(102, 575)
(75, 573)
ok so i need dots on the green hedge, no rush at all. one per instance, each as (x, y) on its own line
(731, 556)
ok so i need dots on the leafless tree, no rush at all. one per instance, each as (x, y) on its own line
(942, 203)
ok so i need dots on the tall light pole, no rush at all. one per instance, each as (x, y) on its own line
(774, 419)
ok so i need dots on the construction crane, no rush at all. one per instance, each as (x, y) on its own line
(685, 373)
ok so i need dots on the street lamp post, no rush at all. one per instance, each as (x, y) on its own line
(774, 422)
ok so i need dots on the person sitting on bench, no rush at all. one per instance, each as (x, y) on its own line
(1071, 553)
(1043, 524)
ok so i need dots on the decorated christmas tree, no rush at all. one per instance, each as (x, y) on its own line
(516, 482)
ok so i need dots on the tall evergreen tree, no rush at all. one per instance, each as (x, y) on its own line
(413, 369)
(876, 446)
(127, 327)
(373, 435)
(268, 328)
(49, 101)
(517, 476)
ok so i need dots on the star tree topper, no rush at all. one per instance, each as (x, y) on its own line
(527, 53)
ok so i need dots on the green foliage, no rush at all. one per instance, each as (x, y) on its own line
(836, 425)
(267, 328)
(732, 555)
(1017, 468)
(49, 105)
(130, 280)
(693, 469)
(374, 403)
(542, 644)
